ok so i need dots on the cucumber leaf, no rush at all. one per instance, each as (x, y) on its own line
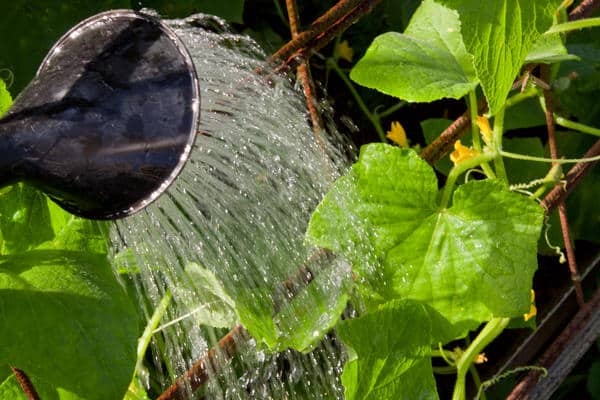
(472, 261)
(426, 63)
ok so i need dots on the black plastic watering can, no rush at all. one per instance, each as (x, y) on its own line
(108, 121)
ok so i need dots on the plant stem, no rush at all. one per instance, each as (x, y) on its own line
(280, 12)
(576, 126)
(497, 133)
(458, 170)
(446, 370)
(491, 330)
(472, 103)
(573, 177)
(525, 157)
(392, 109)
(372, 117)
(447, 355)
(473, 111)
(562, 211)
(573, 25)
(477, 380)
(320, 25)
(304, 75)
(153, 322)
(519, 97)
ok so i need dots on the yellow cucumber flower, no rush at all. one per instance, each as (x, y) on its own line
(532, 310)
(486, 131)
(344, 51)
(462, 153)
(397, 134)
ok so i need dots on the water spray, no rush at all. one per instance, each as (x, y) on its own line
(108, 121)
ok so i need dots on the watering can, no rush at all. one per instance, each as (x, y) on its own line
(108, 121)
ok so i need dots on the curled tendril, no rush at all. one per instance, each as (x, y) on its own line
(10, 77)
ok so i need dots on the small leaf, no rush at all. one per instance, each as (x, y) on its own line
(499, 34)
(426, 63)
(471, 262)
(549, 49)
(391, 349)
(24, 219)
(5, 98)
(209, 303)
(314, 311)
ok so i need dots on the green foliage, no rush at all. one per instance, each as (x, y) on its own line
(471, 261)
(464, 264)
(66, 320)
(391, 351)
(428, 62)
(579, 86)
(5, 98)
(499, 36)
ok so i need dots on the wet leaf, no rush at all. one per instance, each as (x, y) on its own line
(66, 321)
(390, 357)
(471, 261)
(213, 306)
(499, 36)
(428, 62)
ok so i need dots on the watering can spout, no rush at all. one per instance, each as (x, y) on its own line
(109, 120)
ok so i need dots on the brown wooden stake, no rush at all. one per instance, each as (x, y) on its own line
(320, 25)
(562, 210)
(584, 9)
(562, 355)
(572, 179)
(199, 373)
(25, 383)
(304, 75)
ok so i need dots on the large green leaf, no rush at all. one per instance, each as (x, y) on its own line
(66, 321)
(471, 261)
(499, 35)
(428, 62)
(391, 352)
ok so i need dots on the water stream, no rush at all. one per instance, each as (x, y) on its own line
(231, 229)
